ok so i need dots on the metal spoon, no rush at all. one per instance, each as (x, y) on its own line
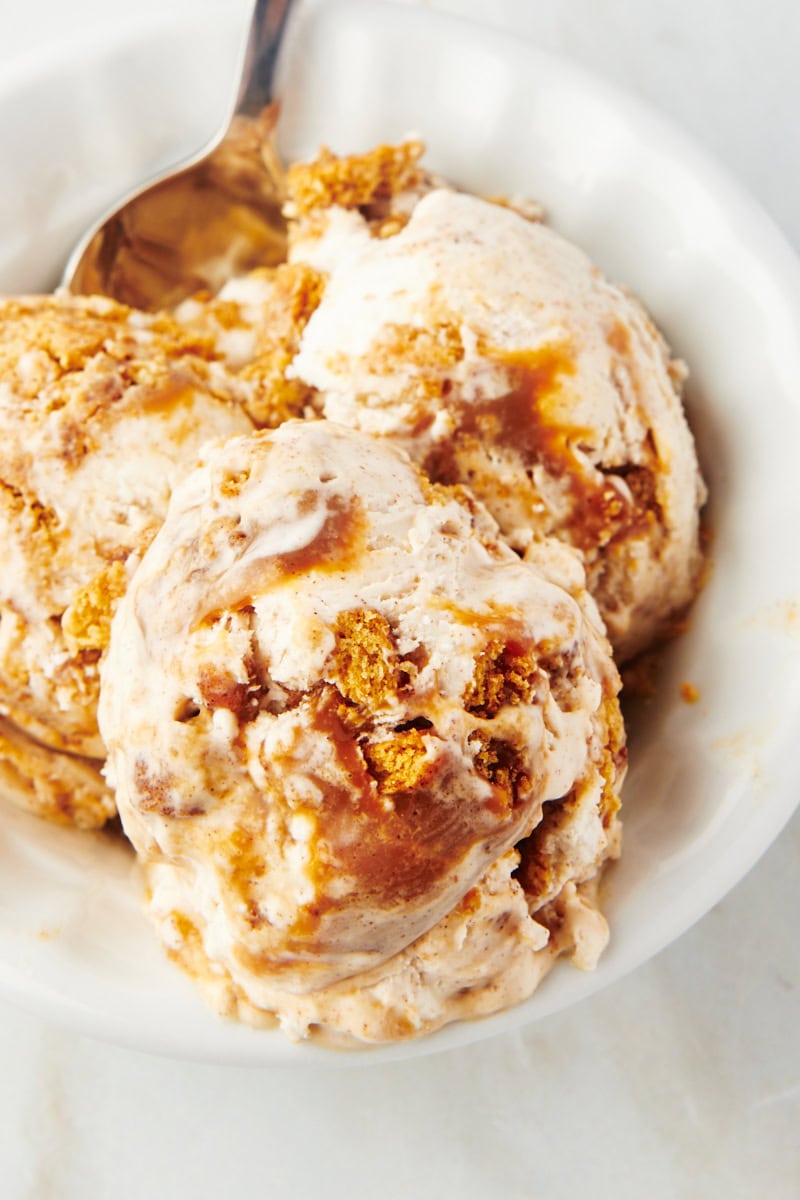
(217, 214)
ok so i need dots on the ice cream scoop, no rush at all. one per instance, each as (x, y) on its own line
(491, 349)
(334, 702)
(101, 411)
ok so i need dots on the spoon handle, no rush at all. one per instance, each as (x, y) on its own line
(267, 27)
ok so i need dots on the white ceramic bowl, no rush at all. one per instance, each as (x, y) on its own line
(711, 784)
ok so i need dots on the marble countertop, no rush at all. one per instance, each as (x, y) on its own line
(682, 1080)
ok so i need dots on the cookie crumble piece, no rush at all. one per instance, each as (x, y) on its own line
(354, 181)
(399, 764)
(365, 657)
(504, 674)
(298, 290)
(87, 622)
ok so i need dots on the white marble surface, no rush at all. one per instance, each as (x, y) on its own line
(683, 1080)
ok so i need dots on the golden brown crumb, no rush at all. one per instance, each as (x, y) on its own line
(365, 657)
(689, 693)
(400, 763)
(356, 180)
(64, 340)
(440, 493)
(504, 674)
(298, 290)
(432, 350)
(43, 340)
(500, 762)
(87, 621)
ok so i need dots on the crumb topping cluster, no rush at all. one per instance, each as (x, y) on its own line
(355, 181)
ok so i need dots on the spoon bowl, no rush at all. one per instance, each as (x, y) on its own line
(208, 218)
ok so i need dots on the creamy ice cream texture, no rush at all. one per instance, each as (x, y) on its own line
(101, 410)
(493, 351)
(369, 757)
(334, 705)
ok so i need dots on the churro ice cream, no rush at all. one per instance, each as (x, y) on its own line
(492, 350)
(101, 410)
(330, 564)
(336, 708)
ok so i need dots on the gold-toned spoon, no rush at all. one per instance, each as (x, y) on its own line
(216, 215)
